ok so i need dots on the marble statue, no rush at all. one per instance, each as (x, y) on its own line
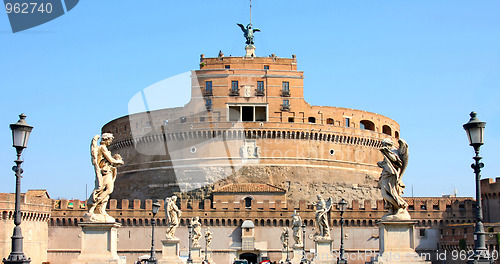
(284, 237)
(390, 182)
(208, 237)
(105, 168)
(297, 228)
(322, 209)
(173, 215)
(195, 239)
(248, 33)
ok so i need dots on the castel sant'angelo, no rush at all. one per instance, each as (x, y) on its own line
(248, 122)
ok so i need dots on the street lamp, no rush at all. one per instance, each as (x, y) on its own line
(304, 259)
(156, 208)
(475, 133)
(190, 230)
(286, 243)
(20, 134)
(206, 246)
(342, 208)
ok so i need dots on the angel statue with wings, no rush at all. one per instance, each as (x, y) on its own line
(322, 209)
(390, 182)
(105, 171)
(173, 215)
(248, 33)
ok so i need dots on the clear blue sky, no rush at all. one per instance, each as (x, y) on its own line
(425, 64)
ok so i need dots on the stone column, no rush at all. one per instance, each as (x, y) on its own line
(196, 255)
(397, 243)
(99, 244)
(170, 252)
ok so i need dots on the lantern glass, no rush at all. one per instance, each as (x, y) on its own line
(156, 208)
(475, 130)
(20, 132)
(342, 205)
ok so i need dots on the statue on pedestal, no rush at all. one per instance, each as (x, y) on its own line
(195, 240)
(284, 237)
(105, 168)
(173, 215)
(248, 33)
(390, 182)
(208, 237)
(322, 209)
(297, 228)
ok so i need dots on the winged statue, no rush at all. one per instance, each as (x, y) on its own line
(322, 209)
(248, 32)
(390, 182)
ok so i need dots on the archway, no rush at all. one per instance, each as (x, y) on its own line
(250, 257)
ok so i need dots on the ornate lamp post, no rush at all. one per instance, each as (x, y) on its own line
(190, 230)
(342, 208)
(156, 208)
(286, 243)
(20, 134)
(475, 133)
(206, 247)
(304, 259)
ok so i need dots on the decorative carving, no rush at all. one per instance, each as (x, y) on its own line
(195, 239)
(250, 150)
(208, 237)
(284, 237)
(297, 228)
(322, 209)
(172, 214)
(105, 168)
(390, 182)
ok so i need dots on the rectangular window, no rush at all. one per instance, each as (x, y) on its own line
(208, 86)
(227, 66)
(266, 67)
(422, 232)
(202, 119)
(291, 119)
(234, 86)
(286, 87)
(347, 122)
(286, 102)
(260, 85)
(208, 102)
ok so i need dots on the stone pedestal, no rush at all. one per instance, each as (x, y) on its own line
(397, 243)
(297, 254)
(250, 51)
(99, 244)
(170, 252)
(196, 255)
(209, 256)
(283, 256)
(323, 249)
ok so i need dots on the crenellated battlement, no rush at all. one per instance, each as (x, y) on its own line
(431, 211)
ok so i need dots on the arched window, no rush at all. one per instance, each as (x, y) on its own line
(248, 202)
(396, 134)
(367, 124)
(329, 121)
(312, 119)
(387, 130)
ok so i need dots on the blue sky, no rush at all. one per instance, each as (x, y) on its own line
(425, 64)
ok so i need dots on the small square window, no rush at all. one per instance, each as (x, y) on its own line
(291, 119)
(227, 66)
(266, 67)
(202, 119)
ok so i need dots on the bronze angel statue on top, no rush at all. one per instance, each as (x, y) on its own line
(105, 167)
(248, 33)
(390, 182)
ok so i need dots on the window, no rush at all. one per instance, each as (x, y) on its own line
(234, 86)
(312, 119)
(202, 119)
(266, 67)
(422, 232)
(329, 121)
(291, 119)
(260, 85)
(367, 124)
(286, 86)
(248, 202)
(227, 66)
(347, 122)
(286, 105)
(387, 130)
(183, 119)
(208, 87)
(208, 104)
(286, 102)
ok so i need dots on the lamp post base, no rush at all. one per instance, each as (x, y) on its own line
(20, 260)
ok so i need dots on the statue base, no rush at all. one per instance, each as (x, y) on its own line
(397, 243)
(170, 252)
(250, 49)
(297, 254)
(196, 255)
(208, 257)
(323, 249)
(99, 244)
(284, 256)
